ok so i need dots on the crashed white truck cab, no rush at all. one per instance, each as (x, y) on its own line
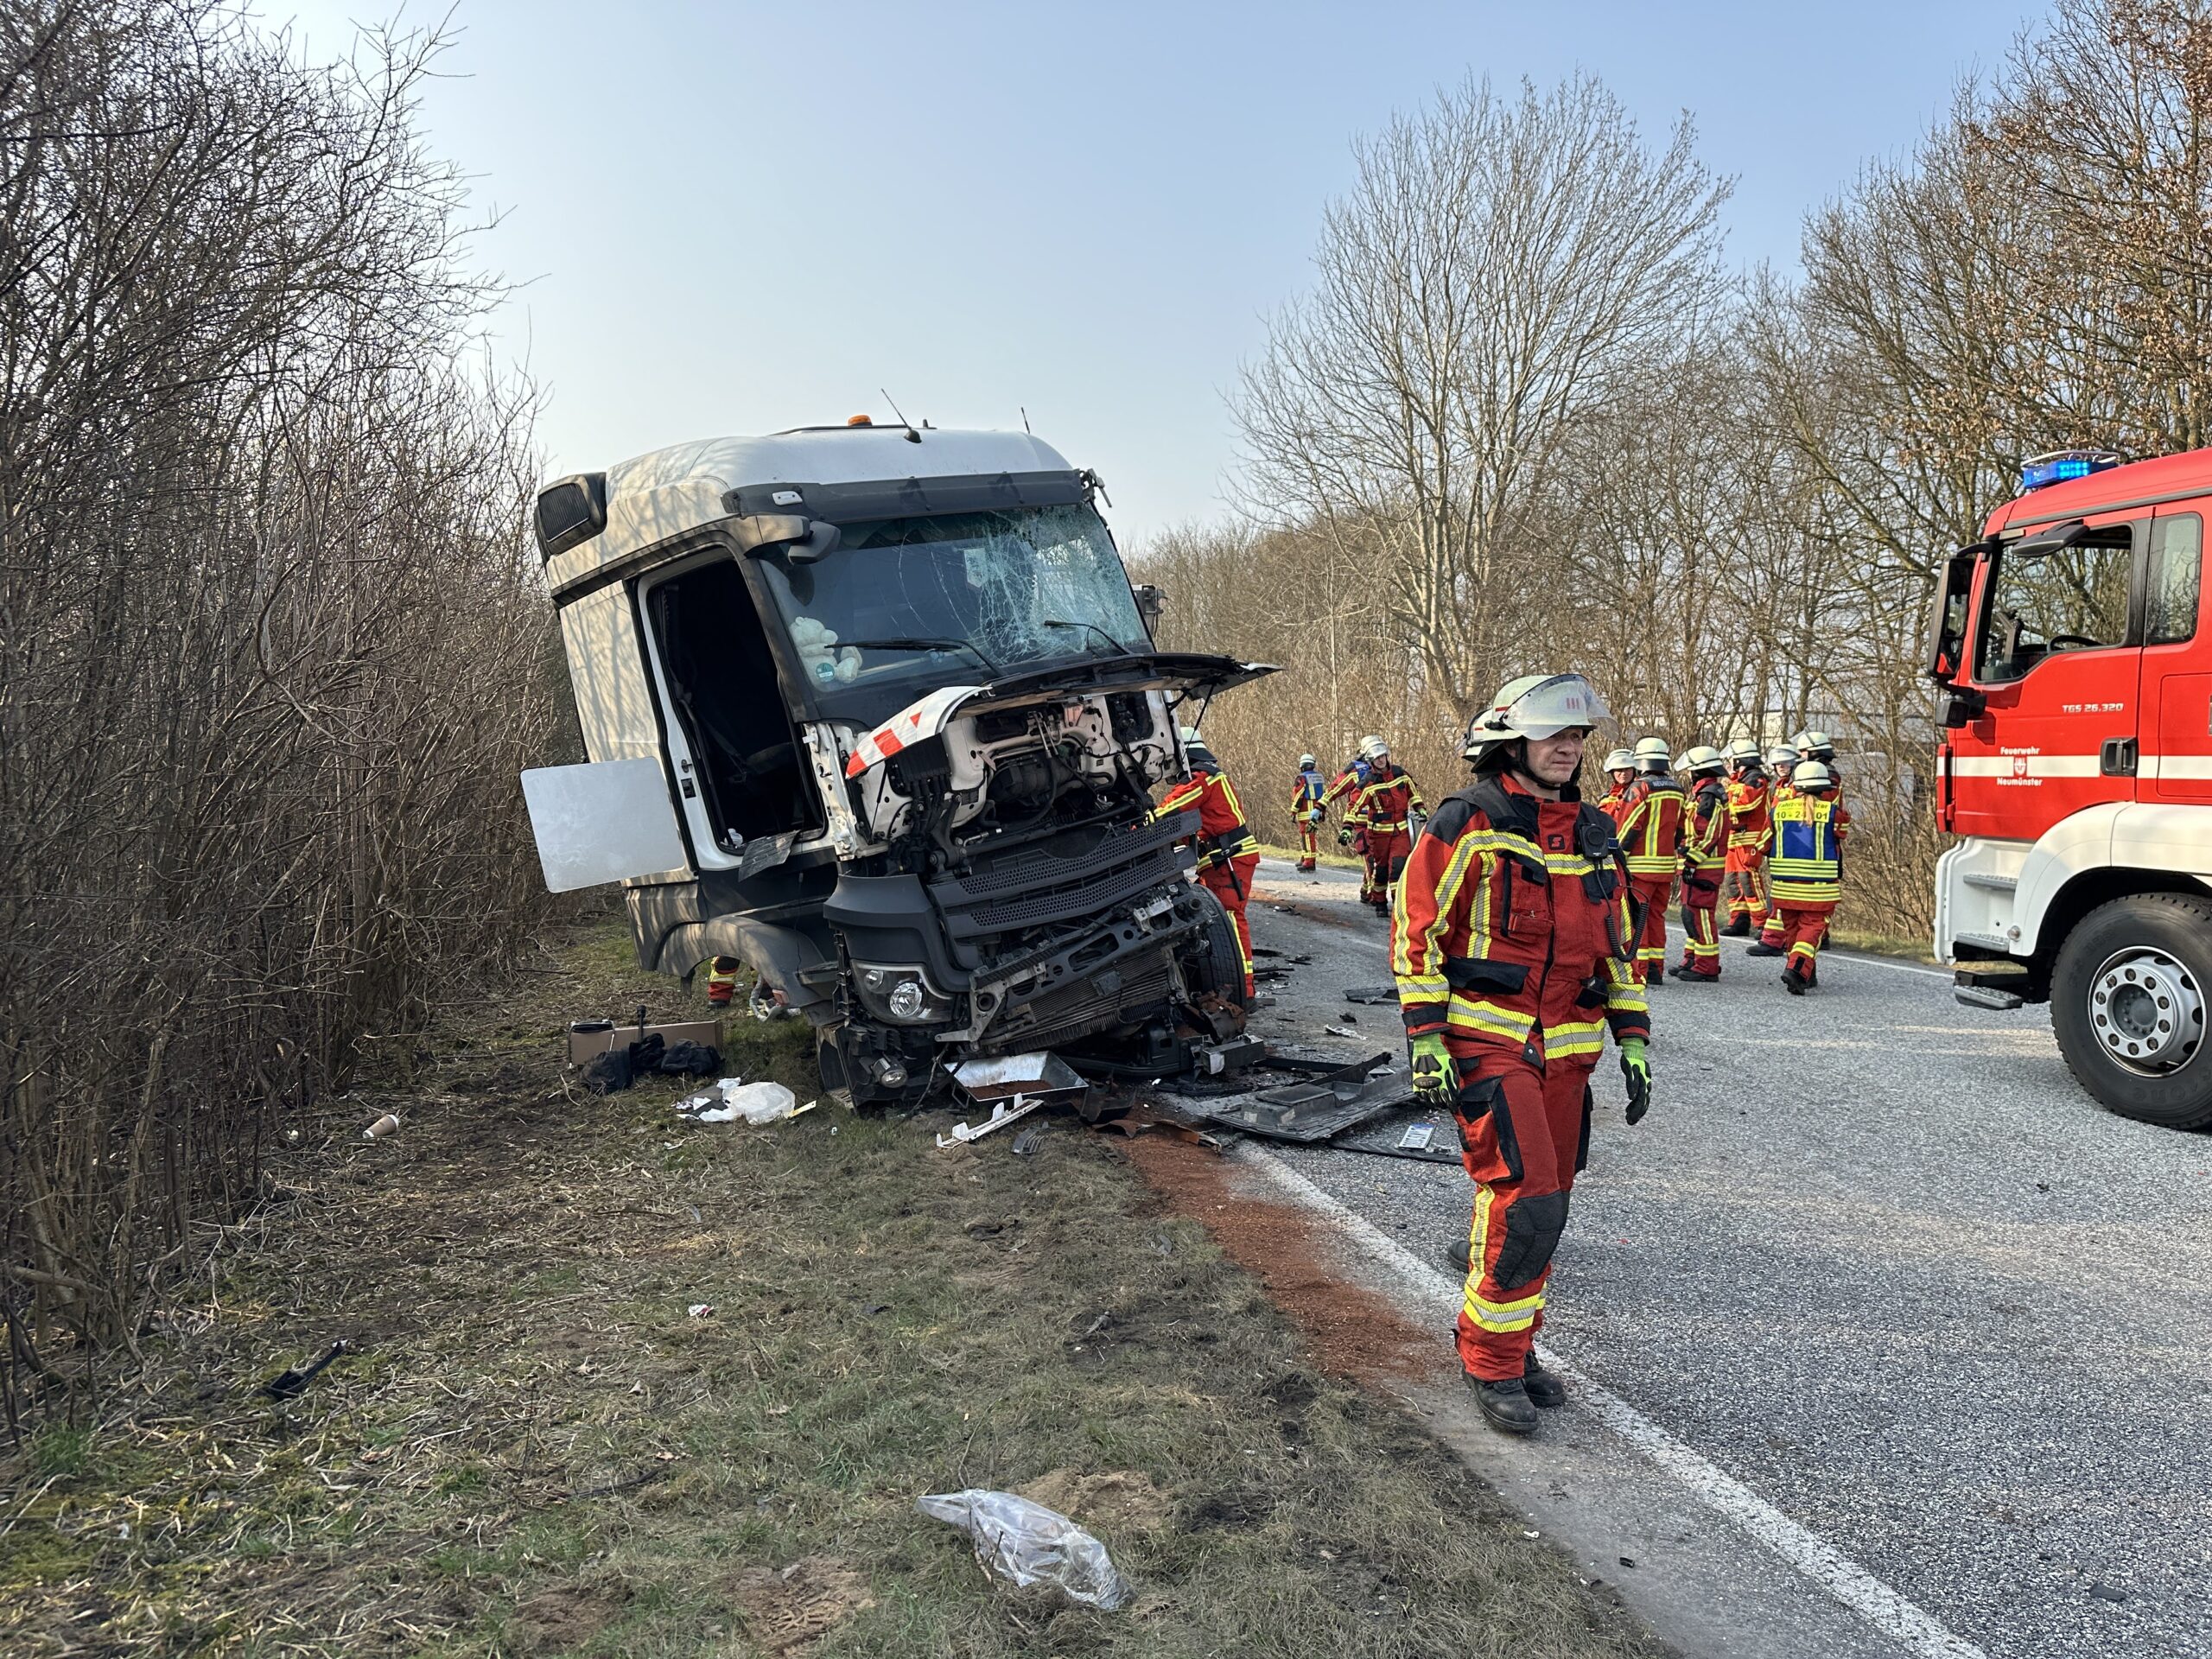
(876, 709)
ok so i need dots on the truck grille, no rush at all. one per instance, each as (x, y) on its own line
(1076, 876)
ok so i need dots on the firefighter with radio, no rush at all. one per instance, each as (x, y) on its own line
(1307, 792)
(1743, 884)
(1781, 762)
(1386, 814)
(1652, 835)
(1705, 858)
(1229, 852)
(1805, 869)
(1620, 773)
(1512, 948)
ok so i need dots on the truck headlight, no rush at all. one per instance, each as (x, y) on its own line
(900, 993)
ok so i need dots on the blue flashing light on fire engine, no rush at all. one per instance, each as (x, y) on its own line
(2060, 465)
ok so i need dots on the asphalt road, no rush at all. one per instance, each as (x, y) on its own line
(1875, 1256)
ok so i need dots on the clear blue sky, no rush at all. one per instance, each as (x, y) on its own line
(741, 216)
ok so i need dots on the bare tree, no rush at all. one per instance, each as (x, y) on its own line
(1500, 264)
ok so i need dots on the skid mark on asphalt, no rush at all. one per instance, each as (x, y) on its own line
(1887, 1610)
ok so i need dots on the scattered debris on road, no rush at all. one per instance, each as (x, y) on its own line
(385, 1125)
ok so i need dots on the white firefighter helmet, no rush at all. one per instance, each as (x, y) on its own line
(1651, 753)
(1744, 750)
(1819, 746)
(1811, 774)
(1621, 760)
(1372, 748)
(1782, 757)
(1306, 763)
(1535, 706)
(1702, 760)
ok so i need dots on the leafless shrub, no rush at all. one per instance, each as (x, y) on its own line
(271, 653)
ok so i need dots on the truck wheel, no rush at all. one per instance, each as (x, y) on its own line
(1217, 963)
(2128, 1000)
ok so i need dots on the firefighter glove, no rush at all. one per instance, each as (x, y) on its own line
(1344, 837)
(1436, 1077)
(1635, 1072)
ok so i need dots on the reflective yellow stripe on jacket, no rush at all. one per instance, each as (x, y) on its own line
(1804, 865)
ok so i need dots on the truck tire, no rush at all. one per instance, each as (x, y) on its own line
(1216, 961)
(2130, 995)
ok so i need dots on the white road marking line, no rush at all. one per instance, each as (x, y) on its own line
(1833, 1571)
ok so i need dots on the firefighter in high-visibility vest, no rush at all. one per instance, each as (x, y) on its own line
(1620, 773)
(1705, 858)
(1805, 869)
(1508, 986)
(1229, 852)
(1344, 789)
(1307, 795)
(1780, 761)
(1743, 882)
(1386, 815)
(1651, 836)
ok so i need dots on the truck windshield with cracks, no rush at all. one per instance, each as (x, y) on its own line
(904, 717)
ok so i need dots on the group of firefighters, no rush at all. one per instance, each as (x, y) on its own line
(1526, 924)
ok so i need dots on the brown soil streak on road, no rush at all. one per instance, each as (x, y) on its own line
(1353, 1331)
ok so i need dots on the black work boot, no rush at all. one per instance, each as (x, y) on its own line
(1792, 983)
(1457, 1255)
(1740, 927)
(1545, 1390)
(1505, 1405)
(1764, 949)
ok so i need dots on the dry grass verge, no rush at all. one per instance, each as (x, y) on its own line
(536, 1448)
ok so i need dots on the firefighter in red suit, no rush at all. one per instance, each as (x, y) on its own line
(1513, 954)
(1386, 815)
(1705, 860)
(1344, 788)
(1229, 852)
(1750, 797)
(1651, 836)
(1620, 774)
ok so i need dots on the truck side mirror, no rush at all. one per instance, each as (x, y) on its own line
(1958, 707)
(802, 540)
(820, 541)
(1150, 603)
(571, 511)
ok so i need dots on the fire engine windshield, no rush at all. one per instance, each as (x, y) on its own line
(2075, 598)
(909, 603)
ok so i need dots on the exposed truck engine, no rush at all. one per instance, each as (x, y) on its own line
(876, 709)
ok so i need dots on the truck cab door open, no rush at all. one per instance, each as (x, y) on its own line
(605, 821)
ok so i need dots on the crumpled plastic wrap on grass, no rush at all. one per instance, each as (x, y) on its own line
(1030, 1547)
(757, 1104)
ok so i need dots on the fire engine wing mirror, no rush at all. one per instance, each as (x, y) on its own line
(609, 821)
(2054, 538)
(1947, 621)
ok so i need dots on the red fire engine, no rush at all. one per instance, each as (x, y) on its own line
(2075, 765)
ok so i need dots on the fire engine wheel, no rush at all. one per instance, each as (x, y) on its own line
(2128, 999)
